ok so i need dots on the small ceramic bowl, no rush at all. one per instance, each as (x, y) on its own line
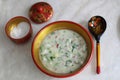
(57, 26)
(12, 23)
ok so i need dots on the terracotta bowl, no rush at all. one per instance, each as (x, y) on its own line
(57, 26)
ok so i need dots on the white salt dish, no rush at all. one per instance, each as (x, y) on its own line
(19, 29)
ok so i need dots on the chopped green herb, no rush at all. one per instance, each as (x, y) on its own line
(68, 62)
(60, 48)
(67, 40)
(70, 71)
(67, 54)
(48, 59)
(73, 47)
(50, 51)
(64, 31)
(56, 64)
(52, 57)
(52, 33)
(41, 48)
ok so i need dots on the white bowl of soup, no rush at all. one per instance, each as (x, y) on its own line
(62, 49)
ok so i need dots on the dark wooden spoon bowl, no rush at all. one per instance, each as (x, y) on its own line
(97, 26)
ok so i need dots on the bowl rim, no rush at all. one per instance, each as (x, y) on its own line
(69, 75)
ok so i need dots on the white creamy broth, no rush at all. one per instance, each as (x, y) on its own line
(63, 51)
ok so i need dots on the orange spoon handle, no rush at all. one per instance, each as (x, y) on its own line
(98, 57)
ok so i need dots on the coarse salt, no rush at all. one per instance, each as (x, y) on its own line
(20, 30)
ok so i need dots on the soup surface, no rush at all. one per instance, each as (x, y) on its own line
(63, 51)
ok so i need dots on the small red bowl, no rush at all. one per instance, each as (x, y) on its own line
(13, 23)
(40, 12)
(57, 26)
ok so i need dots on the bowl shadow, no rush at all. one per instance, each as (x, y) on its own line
(118, 28)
